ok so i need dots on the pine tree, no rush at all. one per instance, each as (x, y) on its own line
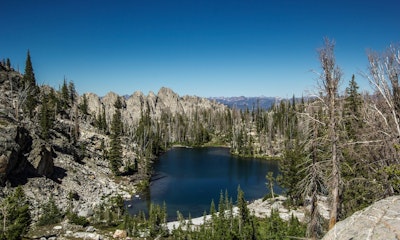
(8, 64)
(31, 87)
(104, 120)
(117, 125)
(352, 108)
(270, 182)
(359, 182)
(115, 155)
(84, 105)
(46, 120)
(157, 220)
(76, 129)
(294, 155)
(72, 92)
(64, 95)
(53, 103)
(244, 214)
(98, 121)
(101, 121)
(50, 213)
(15, 215)
(29, 76)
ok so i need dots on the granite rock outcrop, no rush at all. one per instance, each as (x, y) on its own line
(381, 220)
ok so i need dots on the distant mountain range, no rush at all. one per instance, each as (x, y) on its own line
(247, 102)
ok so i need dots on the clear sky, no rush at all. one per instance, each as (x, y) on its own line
(196, 47)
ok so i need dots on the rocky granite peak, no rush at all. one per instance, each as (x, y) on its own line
(94, 103)
(166, 100)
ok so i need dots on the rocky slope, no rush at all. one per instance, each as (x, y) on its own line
(53, 168)
(73, 171)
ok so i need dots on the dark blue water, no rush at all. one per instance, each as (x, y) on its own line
(187, 179)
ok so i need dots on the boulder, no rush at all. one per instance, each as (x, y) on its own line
(86, 235)
(381, 220)
(57, 227)
(90, 229)
(16, 142)
(86, 212)
(41, 158)
(120, 234)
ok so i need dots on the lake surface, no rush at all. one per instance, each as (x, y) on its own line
(187, 179)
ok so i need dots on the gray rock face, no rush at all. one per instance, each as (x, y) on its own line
(108, 102)
(134, 105)
(381, 220)
(41, 158)
(93, 101)
(3, 169)
(168, 100)
(16, 142)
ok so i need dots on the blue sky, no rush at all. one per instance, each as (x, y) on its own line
(204, 48)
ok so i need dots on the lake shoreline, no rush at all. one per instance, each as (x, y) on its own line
(256, 156)
(183, 179)
(259, 207)
(199, 146)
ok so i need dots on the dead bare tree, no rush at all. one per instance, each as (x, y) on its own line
(4, 212)
(384, 107)
(323, 167)
(330, 79)
(20, 100)
(314, 181)
(384, 78)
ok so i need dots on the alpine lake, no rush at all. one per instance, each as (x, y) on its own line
(188, 179)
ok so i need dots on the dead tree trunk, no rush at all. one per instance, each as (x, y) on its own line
(330, 79)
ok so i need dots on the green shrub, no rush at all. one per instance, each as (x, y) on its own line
(75, 219)
(50, 214)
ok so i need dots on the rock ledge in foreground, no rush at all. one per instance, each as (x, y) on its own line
(381, 220)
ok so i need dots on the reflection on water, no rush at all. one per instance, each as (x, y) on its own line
(187, 179)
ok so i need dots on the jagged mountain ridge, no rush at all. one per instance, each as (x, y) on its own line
(166, 100)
